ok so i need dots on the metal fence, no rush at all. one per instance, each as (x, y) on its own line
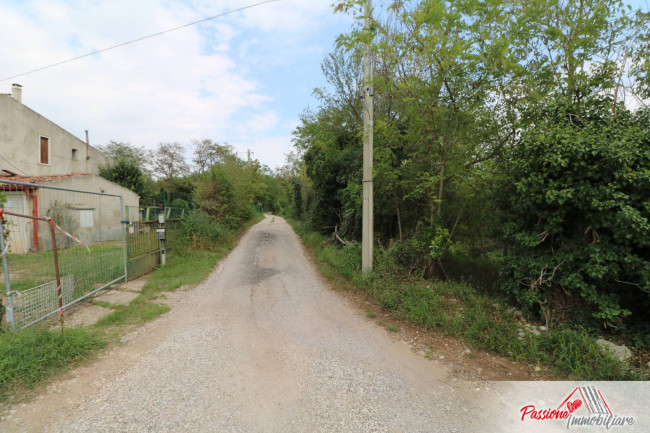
(61, 246)
(142, 238)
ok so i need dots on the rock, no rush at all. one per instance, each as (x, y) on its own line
(543, 328)
(538, 368)
(441, 357)
(421, 353)
(534, 331)
(622, 353)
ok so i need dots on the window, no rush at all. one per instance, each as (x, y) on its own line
(74, 154)
(85, 218)
(45, 151)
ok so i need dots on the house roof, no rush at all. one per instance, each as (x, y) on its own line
(41, 178)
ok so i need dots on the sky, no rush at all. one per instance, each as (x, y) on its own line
(243, 78)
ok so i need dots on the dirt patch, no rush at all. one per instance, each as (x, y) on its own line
(119, 297)
(86, 315)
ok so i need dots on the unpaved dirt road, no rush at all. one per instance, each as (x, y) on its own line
(263, 345)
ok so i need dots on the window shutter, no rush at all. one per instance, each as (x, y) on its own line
(45, 150)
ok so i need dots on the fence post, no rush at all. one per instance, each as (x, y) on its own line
(125, 227)
(5, 270)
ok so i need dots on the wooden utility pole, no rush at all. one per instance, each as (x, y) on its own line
(367, 234)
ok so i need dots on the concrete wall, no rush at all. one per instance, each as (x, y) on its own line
(90, 217)
(20, 132)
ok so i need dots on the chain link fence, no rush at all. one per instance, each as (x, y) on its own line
(55, 238)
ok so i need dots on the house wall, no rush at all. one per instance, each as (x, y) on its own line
(21, 236)
(20, 132)
(90, 217)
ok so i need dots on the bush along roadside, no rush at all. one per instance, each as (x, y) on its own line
(461, 311)
(30, 357)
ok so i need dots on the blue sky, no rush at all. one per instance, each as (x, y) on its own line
(242, 79)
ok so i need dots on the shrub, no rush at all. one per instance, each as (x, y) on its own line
(576, 213)
(202, 231)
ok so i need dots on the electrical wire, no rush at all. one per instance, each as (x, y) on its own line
(139, 39)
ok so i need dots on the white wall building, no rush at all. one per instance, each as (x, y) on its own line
(37, 151)
(32, 145)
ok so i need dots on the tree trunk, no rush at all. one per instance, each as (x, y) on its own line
(441, 182)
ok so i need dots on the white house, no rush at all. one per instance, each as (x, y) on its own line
(35, 150)
(32, 145)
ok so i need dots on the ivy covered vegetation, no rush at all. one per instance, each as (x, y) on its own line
(512, 153)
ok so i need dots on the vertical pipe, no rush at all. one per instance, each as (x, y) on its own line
(125, 227)
(367, 235)
(35, 213)
(5, 270)
(87, 146)
(59, 290)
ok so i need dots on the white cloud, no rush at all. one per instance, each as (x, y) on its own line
(198, 82)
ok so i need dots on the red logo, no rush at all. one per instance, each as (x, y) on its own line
(596, 411)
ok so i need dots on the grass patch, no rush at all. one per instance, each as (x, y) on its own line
(139, 311)
(371, 314)
(185, 268)
(459, 310)
(105, 304)
(29, 357)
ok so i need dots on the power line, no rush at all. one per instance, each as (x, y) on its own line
(139, 39)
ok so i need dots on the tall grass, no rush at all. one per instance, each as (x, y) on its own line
(461, 311)
(31, 356)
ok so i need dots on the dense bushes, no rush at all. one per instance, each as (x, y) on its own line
(202, 231)
(576, 208)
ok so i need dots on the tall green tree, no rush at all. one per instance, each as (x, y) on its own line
(127, 167)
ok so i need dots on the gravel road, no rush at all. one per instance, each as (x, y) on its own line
(263, 345)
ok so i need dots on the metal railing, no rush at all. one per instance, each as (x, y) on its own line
(141, 238)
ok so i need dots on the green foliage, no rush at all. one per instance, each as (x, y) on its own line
(30, 356)
(138, 311)
(128, 168)
(576, 210)
(202, 231)
(458, 310)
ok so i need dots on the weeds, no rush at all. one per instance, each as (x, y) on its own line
(31, 356)
(460, 311)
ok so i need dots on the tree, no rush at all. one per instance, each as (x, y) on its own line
(208, 153)
(228, 190)
(169, 161)
(137, 155)
(576, 212)
(126, 167)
